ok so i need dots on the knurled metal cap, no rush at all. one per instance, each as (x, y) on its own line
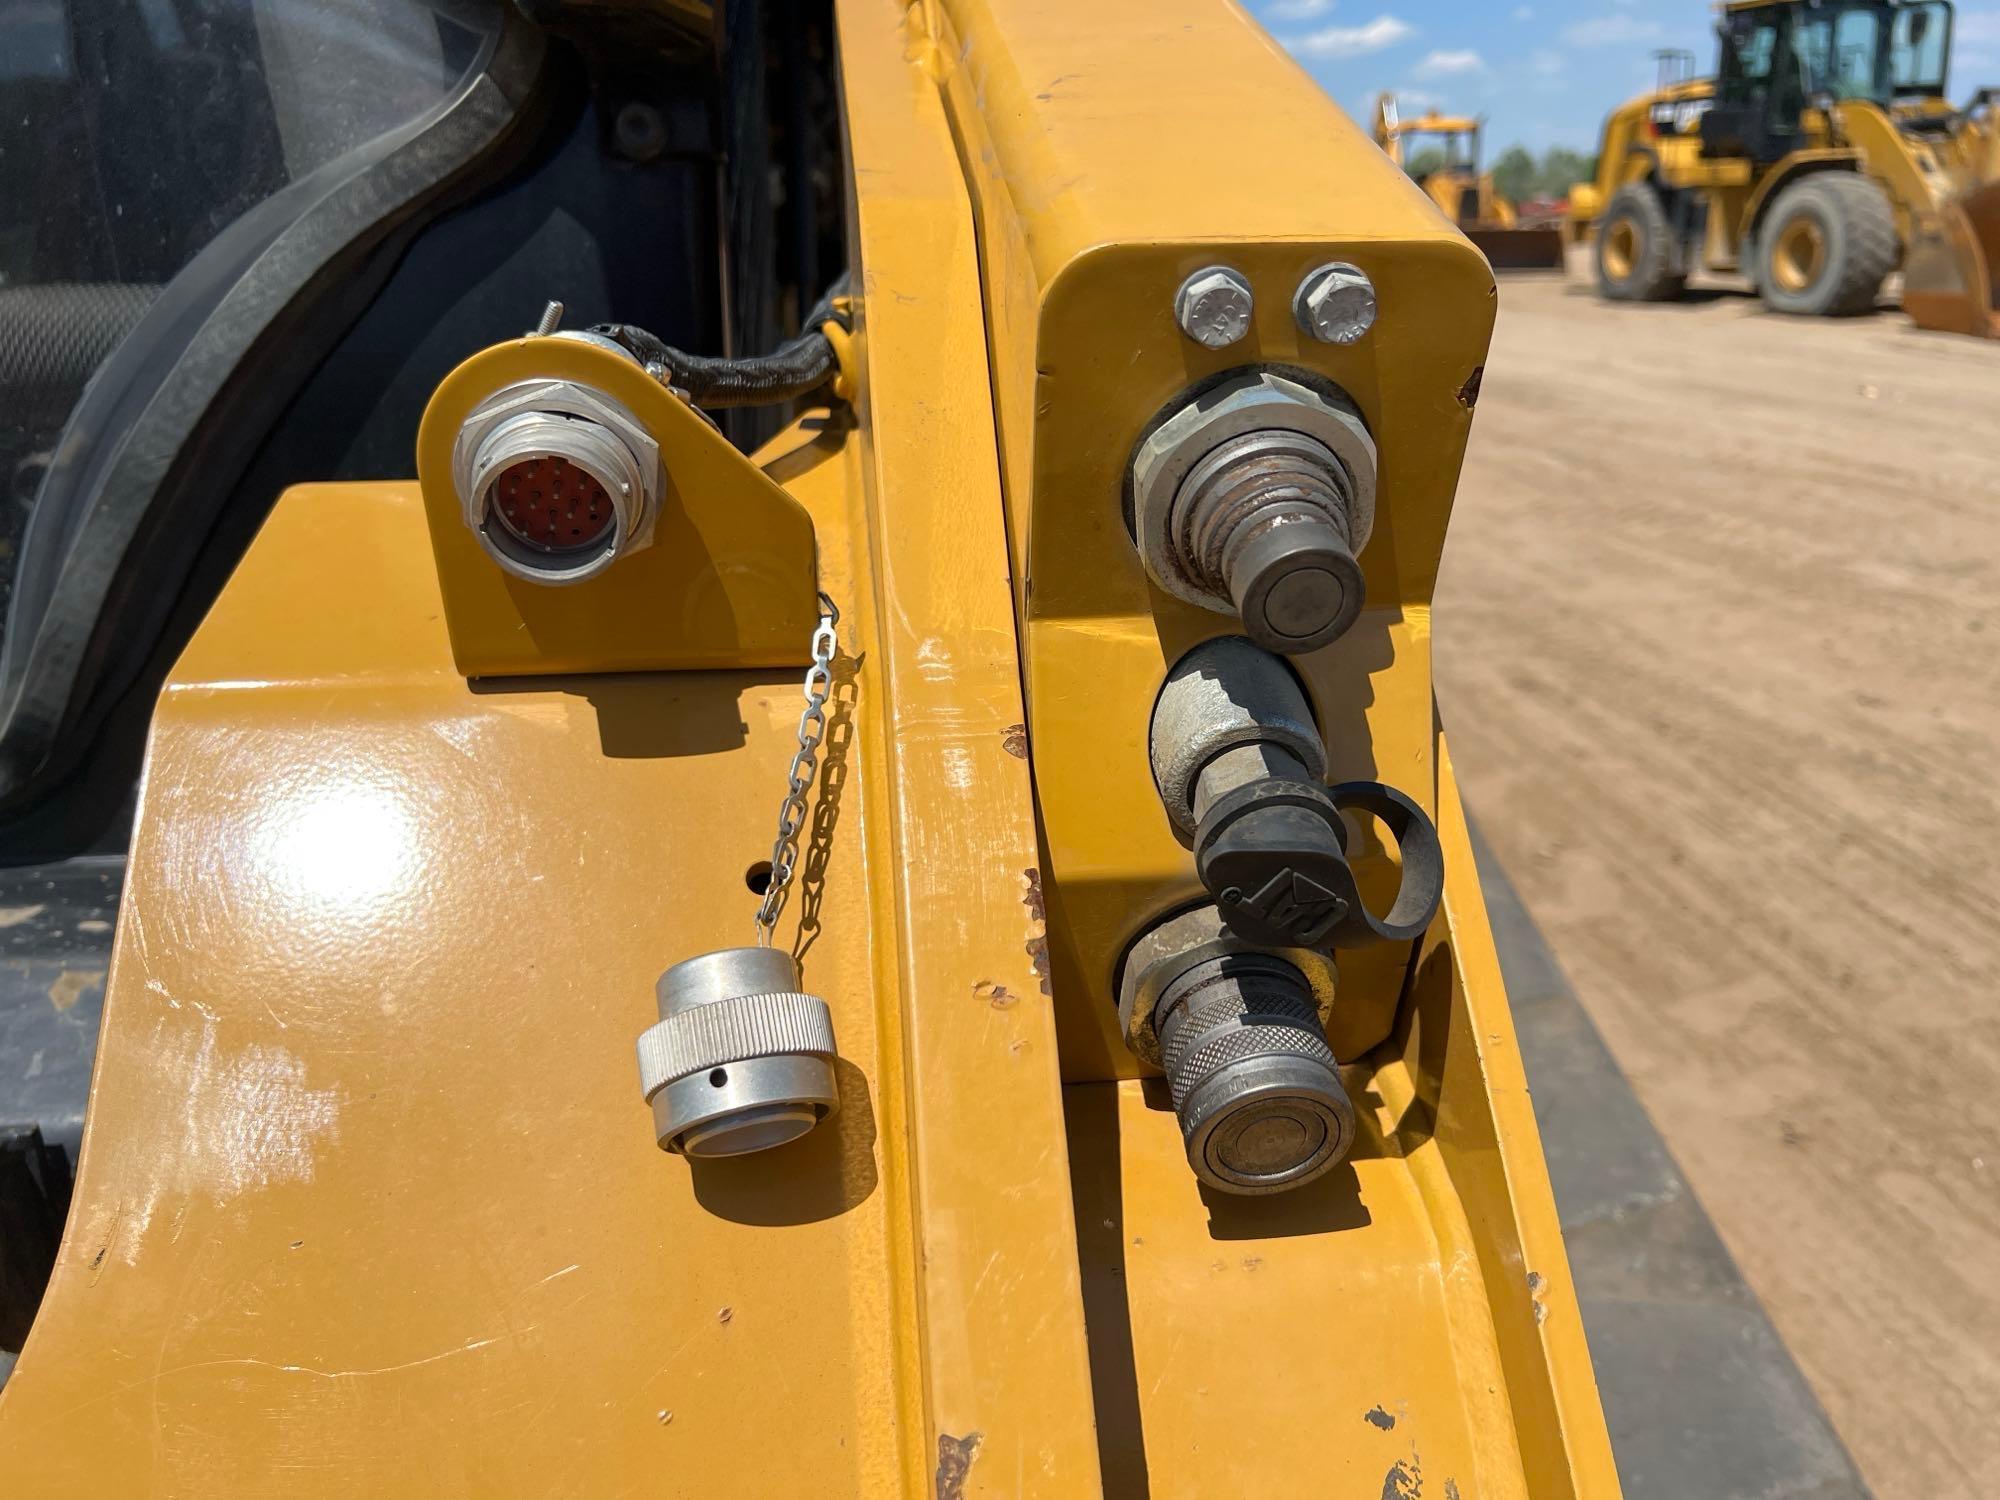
(1255, 1086)
(740, 1060)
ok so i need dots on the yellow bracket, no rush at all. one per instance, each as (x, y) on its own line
(729, 581)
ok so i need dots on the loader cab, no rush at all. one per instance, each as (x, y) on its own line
(1446, 144)
(1778, 60)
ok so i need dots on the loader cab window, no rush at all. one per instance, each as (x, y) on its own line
(1754, 114)
(1920, 50)
(1840, 56)
(1747, 54)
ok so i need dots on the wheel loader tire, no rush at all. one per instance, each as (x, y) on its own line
(1825, 246)
(1635, 248)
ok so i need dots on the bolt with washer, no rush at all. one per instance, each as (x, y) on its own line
(1213, 307)
(1335, 304)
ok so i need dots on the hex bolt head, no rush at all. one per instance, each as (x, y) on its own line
(1335, 304)
(1213, 307)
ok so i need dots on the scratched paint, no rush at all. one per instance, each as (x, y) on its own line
(250, 1121)
(934, 660)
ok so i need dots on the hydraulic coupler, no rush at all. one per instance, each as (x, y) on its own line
(1240, 768)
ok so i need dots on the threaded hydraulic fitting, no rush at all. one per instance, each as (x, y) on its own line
(1263, 519)
(1253, 498)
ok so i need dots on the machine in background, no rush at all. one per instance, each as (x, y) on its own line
(1822, 156)
(1465, 194)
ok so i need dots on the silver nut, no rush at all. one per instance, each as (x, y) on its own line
(1213, 307)
(1335, 303)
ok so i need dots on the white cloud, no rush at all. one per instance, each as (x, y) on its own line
(1522, 13)
(1612, 31)
(1350, 41)
(1438, 64)
(1299, 10)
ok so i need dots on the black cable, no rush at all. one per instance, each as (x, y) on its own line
(795, 368)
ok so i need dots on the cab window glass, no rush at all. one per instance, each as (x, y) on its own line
(1917, 49)
(1746, 60)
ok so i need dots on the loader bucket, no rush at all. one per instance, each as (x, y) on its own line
(1951, 275)
(1520, 249)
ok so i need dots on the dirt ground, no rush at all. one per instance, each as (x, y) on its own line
(1716, 650)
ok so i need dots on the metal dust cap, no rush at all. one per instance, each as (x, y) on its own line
(740, 1060)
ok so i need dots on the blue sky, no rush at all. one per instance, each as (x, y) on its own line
(1544, 72)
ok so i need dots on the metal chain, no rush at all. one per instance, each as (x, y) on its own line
(805, 768)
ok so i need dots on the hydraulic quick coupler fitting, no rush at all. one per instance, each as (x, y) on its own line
(1240, 765)
(1240, 1032)
(1253, 499)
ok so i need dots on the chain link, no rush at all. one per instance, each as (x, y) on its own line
(805, 769)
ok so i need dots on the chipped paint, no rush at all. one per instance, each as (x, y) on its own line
(955, 1455)
(996, 995)
(1377, 1417)
(1537, 1290)
(1404, 1481)
(1038, 955)
(1014, 740)
(70, 985)
(1037, 945)
(1032, 896)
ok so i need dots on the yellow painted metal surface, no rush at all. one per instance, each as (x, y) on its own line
(369, 1202)
(1088, 229)
(365, 1138)
(370, 1199)
(727, 582)
(1403, 1326)
(1087, 226)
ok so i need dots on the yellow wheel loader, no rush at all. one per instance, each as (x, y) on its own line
(878, 910)
(1821, 157)
(1461, 191)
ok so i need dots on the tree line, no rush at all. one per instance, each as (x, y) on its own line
(1519, 174)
